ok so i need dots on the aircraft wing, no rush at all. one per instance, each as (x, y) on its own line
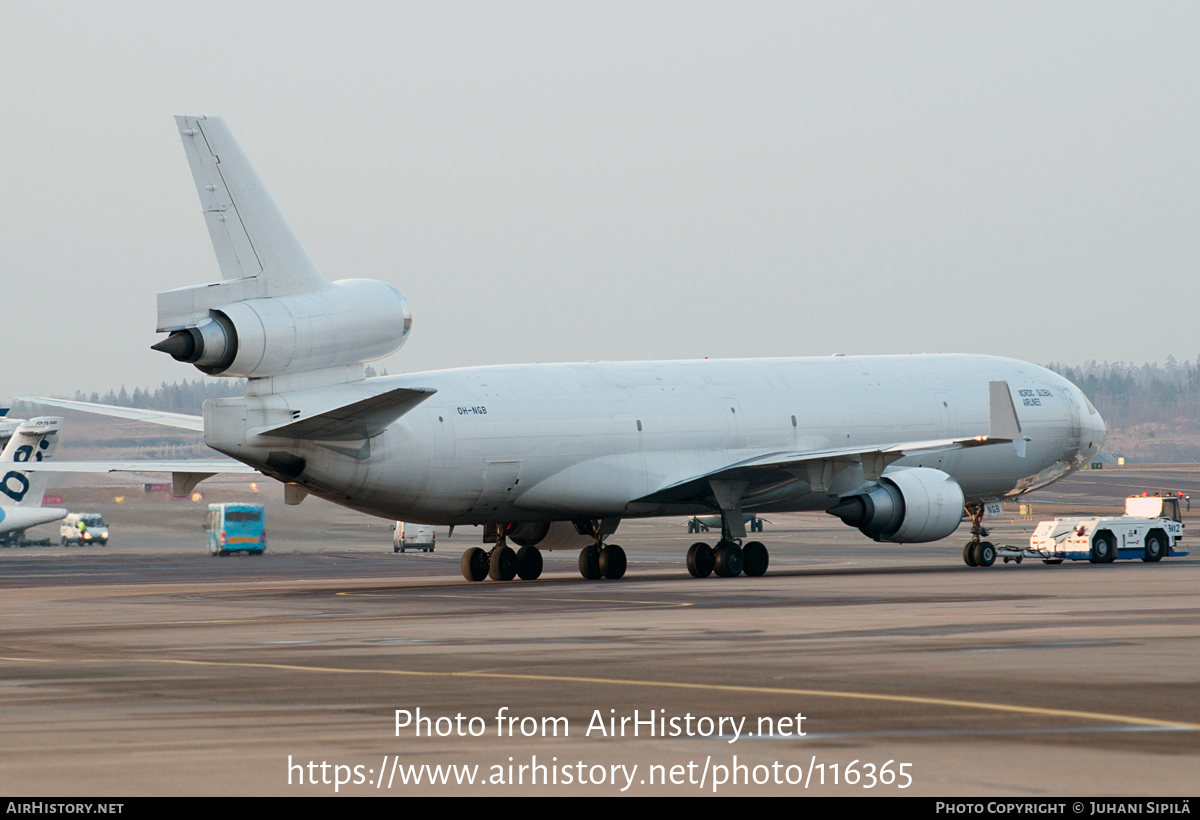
(181, 420)
(762, 474)
(818, 467)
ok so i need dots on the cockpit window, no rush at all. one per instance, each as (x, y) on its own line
(1090, 408)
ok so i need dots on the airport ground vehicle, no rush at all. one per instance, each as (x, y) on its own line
(236, 527)
(93, 531)
(1151, 529)
(406, 536)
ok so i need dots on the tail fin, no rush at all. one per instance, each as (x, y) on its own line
(250, 235)
(34, 440)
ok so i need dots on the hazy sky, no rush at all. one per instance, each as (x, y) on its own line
(571, 181)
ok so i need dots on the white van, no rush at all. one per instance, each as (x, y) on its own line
(407, 536)
(94, 530)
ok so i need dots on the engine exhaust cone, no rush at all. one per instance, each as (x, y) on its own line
(851, 510)
(179, 345)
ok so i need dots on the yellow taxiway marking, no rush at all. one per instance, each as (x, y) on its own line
(712, 687)
(186, 744)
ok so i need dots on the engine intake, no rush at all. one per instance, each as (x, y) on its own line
(908, 506)
(353, 320)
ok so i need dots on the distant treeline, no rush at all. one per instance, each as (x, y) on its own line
(1128, 395)
(177, 397)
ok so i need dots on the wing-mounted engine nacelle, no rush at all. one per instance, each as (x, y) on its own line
(908, 506)
(353, 320)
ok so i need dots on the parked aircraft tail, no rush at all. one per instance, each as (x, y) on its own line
(33, 441)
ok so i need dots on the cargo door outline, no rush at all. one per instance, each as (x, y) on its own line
(500, 481)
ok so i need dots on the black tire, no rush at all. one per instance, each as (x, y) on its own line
(1052, 561)
(969, 554)
(502, 564)
(985, 553)
(730, 560)
(589, 563)
(395, 549)
(529, 563)
(755, 559)
(475, 564)
(700, 560)
(1155, 547)
(1104, 548)
(612, 562)
(691, 527)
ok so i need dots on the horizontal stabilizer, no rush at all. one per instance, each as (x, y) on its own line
(212, 467)
(180, 420)
(361, 419)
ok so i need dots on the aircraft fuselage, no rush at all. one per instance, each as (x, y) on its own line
(560, 441)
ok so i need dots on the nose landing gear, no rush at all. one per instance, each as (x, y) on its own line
(977, 552)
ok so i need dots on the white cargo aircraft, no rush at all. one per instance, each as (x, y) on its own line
(21, 492)
(554, 456)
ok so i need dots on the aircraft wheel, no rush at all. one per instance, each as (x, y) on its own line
(612, 562)
(756, 558)
(589, 563)
(1103, 549)
(502, 564)
(730, 559)
(700, 560)
(969, 554)
(475, 564)
(529, 563)
(984, 553)
(1154, 548)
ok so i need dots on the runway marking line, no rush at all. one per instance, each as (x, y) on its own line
(659, 604)
(713, 687)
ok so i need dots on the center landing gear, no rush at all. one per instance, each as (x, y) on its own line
(977, 552)
(602, 561)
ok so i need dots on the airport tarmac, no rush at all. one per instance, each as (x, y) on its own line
(150, 667)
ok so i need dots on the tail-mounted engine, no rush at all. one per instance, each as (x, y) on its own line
(352, 320)
(907, 506)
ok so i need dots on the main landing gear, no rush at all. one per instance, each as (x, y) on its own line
(502, 563)
(977, 552)
(728, 559)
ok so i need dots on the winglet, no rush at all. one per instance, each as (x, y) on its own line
(1002, 416)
